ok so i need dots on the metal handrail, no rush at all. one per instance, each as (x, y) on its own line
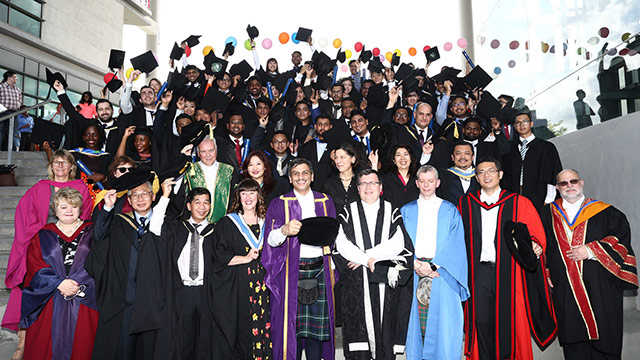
(11, 124)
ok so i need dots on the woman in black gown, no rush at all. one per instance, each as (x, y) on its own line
(242, 312)
(341, 187)
(258, 167)
(399, 183)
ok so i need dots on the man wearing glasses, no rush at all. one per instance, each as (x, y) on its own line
(497, 280)
(532, 165)
(376, 293)
(590, 262)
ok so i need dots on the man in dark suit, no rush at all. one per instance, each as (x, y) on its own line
(318, 151)
(233, 148)
(493, 144)
(459, 179)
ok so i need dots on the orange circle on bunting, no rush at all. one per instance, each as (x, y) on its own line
(283, 38)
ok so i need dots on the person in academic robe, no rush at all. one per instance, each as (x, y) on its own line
(318, 151)
(233, 147)
(295, 326)
(459, 179)
(510, 300)
(32, 213)
(127, 265)
(531, 165)
(189, 246)
(375, 308)
(93, 163)
(257, 167)
(341, 187)
(399, 182)
(118, 167)
(440, 265)
(137, 144)
(243, 312)
(58, 301)
(493, 144)
(591, 263)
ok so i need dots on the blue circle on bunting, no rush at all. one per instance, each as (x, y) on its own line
(293, 38)
(497, 70)
(231, 40)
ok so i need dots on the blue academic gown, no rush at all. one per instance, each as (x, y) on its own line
(444, 333)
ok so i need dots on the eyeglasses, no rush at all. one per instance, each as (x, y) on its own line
(124, 169)
(491, 172)
(280, 142)
(224, 80)
(519, 123)
(60, 163)
(402, 116)
(566, 183)
(458, 105)
(142, 195)
(367, 184)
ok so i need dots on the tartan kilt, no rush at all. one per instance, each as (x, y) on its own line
(423, 310)
(313, 320)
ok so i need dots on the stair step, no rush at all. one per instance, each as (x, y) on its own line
(12, 191)
(4, 259)
(21, 155)
(31, 170)
(7, 215)
(6, 229)
(5, 244)
(9, 203)
(29, 180)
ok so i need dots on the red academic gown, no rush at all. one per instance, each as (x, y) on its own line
(523, 299)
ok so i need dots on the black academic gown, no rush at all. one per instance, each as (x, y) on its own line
(323, 167)
(604, 287)
(541, 165)
(451, 186)
(333, 187)
(109, 264)
(397, 193)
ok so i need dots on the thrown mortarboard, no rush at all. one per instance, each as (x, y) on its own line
(192, 40)
(280, 82)
(229, 49)
(448, 73)
(432, 54)
(341, 56)
(176, 52)
(365, 55)
(409, 85)
(303, 34)
(518, 241)
(322, 63)
(52, 77)
(195, 132)
(116, 59)
(176, 83)
(488, 107)
(134, 178)
(45, 130)
(291, 95)
(404, 71)
(262, 75)
(478, 78)
(242, 68)
(252, 31)
(215, 100)
(376, 66)
(395, 60)
(322, 82)
(419, 72)
(214, 65)
(145, 62)
(114, 84)
(381, 139)
(318, 231)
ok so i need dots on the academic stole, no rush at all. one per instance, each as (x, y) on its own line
(222, 187)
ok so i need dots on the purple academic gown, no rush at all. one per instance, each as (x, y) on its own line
(282, 266)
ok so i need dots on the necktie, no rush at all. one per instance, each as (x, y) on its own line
(336, 108)
(421, 135)
(506, 131)
(238, 152)
(193, 253)
(523, 152)
(141, 227)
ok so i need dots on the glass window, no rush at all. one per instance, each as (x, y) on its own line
(4, 11)
(24, 22)
(43, 89)
(31, 6)
(30, 86)
(74, 97)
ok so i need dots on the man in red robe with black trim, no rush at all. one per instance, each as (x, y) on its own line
(510, 300)
(590, 262)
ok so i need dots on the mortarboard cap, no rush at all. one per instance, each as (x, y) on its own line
(303, 34)
(52, 77)
(176, 52)
(488, 107)
(242, 68)
(195, 132)
(395, 60)
(262, 75)
(409, 84)
(145, 62)
(322, 63)
(478, 78)
(318, 231)
(214, 65)
(252, 31)
(229, 49)
(45, 130)
(419, 72)
(280, 82)
(404, 71)
(365, 55)
(381, 139)
(519, 243)
(133, 179)
(377, 95)
(376, 66)
(341, 56)
(116, 59)
(432, 54)
(323, 82)
(448, 73)
(114, 84)
(215, 100)
(192, 40)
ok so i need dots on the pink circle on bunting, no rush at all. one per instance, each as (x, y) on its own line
(495, 43)
(603, 32)
(344, 68)
(267, 43)
(512, 63)
(447, 46)
(462, 43)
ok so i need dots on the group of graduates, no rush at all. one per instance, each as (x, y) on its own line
(230, 215)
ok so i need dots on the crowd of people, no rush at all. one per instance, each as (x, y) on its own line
(227, 215)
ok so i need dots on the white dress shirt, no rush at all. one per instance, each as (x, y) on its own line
(489, 226)
(184, 258)
(210, 174)
(571, 211)
(551, 189)
(308, 210)
(426, 232)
